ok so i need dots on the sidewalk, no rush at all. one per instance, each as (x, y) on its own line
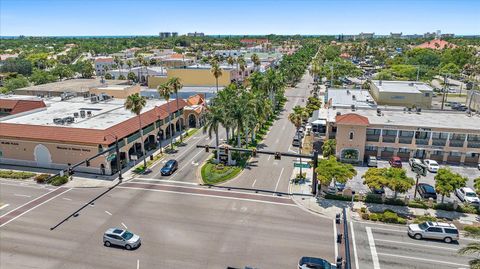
(301, 195)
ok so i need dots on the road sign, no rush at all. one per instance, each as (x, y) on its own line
(303, 165)
(111, 157)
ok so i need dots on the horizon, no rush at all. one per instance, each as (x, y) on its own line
(59, 18)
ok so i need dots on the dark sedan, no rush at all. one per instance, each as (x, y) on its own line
(426, 191)
(169, 168)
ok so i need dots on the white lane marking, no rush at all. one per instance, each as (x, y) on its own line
(268, 159)
(22, 195)
(164, 181)
(32, 207)
(68, 199)
(278, 140)
(108, 212)
(255, 181)
(138, 264)
(4, 206)
(335, 239)
(123, 224)
(415, 244)
(278, 181)
(213, 196)
(91, 205)
(188, 164)
(357, 266)
(373, 250)
(423, 259)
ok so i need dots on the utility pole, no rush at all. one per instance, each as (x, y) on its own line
(418, 72)
(444, 98)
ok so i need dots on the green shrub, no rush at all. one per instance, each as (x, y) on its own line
(472, 229)
(447, 207)
(394, 202)
(363, 209)
(418, 204)
(424, 218)
(338, 197)
(373, 198)
(389, 217)
(401, 220)
(374, 217)
(469, 209)
(15, 175)
(365, 216)
(59, 180)
(41, 178)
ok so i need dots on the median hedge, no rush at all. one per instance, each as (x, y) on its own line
(15, 175)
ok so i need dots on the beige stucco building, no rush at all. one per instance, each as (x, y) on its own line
(402, 93)
(116, 91)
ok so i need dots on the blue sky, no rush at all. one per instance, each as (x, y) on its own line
(148, 17)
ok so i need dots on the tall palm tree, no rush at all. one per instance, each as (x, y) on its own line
(256, 60)
(165, 90)
(296, 118)
(214, 118)
(230, 60)
(129, 64)
(176, 85)
(116, 59)
(216, 71)
(242, 65)
(238, 114)
(135, 103)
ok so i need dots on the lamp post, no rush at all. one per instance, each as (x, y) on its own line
(117, 150)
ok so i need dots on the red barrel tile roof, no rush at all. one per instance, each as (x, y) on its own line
(352, 119)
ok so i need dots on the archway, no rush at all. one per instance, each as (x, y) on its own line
(192, 121)
(172, 126)
(42, 155)
(149, 143)
(177, 126)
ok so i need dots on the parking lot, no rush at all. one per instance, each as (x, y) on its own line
(382, 246)
(357, 182)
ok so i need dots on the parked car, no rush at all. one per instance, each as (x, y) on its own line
(411, 162)
(395, 162)
(122, 238)
(432, 166)
(378, 191)
(296, 141)
(169, 167)
(372, 161)
(339, 186)
(314, 263)
(467, 195)
(434, 230)
(427, 191)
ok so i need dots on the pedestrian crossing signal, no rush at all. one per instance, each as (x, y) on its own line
(278, 156)
(87, 163)
(207, 149)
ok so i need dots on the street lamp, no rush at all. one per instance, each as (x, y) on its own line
(117, 149)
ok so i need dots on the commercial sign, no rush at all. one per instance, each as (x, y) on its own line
(303, 165)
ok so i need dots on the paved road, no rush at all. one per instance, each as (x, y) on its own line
(182, 226)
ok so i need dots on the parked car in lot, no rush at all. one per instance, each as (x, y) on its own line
(432, 166)
(467, 195)
(372, 161)
(122, 238)
(378, 191)
(434, 230)
(427, 191)
(170, 167)
(395, 162)
(413, 161)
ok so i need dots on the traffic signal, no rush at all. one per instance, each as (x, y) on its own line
(254, 153)
(207, 149)
(87, 163)
(278, 156)
(70, 172)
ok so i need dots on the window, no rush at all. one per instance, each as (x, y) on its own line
(388, 149)
(406, 133)
(451, 231)
(373, 131)
(351, 135)
(434, 230)
(427, 94)
(370, 148)
(403, 150)
(455, 154)
(390, 132)
(397, 97)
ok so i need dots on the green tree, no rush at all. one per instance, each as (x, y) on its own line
(42, 77)
(296, 118)
(165, 90)
(393, 178)
(242, 65)
(131, 76)
(330, 169)
(213, 120)
(135, 103)
(216, 72)
(108, 76)
(450, 69)
(85, 68)
(176, 86)
(476, 184)
(122, 77)
(329, 147)
(16, 65)
(15, 83)
(255, 60)
(62, 71)
(447, 181)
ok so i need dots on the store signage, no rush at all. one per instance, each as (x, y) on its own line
(73, 149)
(9, 143)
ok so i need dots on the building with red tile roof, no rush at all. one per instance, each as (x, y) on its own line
(436, 44)
(16, 106)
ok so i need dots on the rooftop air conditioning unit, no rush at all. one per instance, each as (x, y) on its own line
(419, 110)
(353, 107)
(89, 113)
(58, 121)
(409, 110)
(94, 99)
(76, 115)
(339, 113)
(379, 112)
(69, 120)
(82, 113)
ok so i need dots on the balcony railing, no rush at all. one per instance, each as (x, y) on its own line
(474, 144)
(439, 142)
(373, 138)
(421, 141)
(457, 143)
(405, 140)
(388, 139)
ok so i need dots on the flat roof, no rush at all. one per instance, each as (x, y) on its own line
(349, 97)
(72, 85)
(185, 92)
(398, 117)
(104, 114)
(402, 86)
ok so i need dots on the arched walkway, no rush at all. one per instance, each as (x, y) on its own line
(192, 121)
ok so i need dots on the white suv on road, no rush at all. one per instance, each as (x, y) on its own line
(467, 195)
(434, 230)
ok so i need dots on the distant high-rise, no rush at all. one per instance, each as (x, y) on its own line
(396, 35)
(168, 34)
(195, 34)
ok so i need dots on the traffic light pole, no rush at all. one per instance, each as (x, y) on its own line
(254, 152)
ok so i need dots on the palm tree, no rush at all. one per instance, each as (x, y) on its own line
(230, 60)
(256, 60)
(129, 63)
(135, 103)
(213, 120)
(296, 118)
(165, 90)
(216, 71)
(472, 248)
(176, 85)
(117, 61)
(242, 65)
